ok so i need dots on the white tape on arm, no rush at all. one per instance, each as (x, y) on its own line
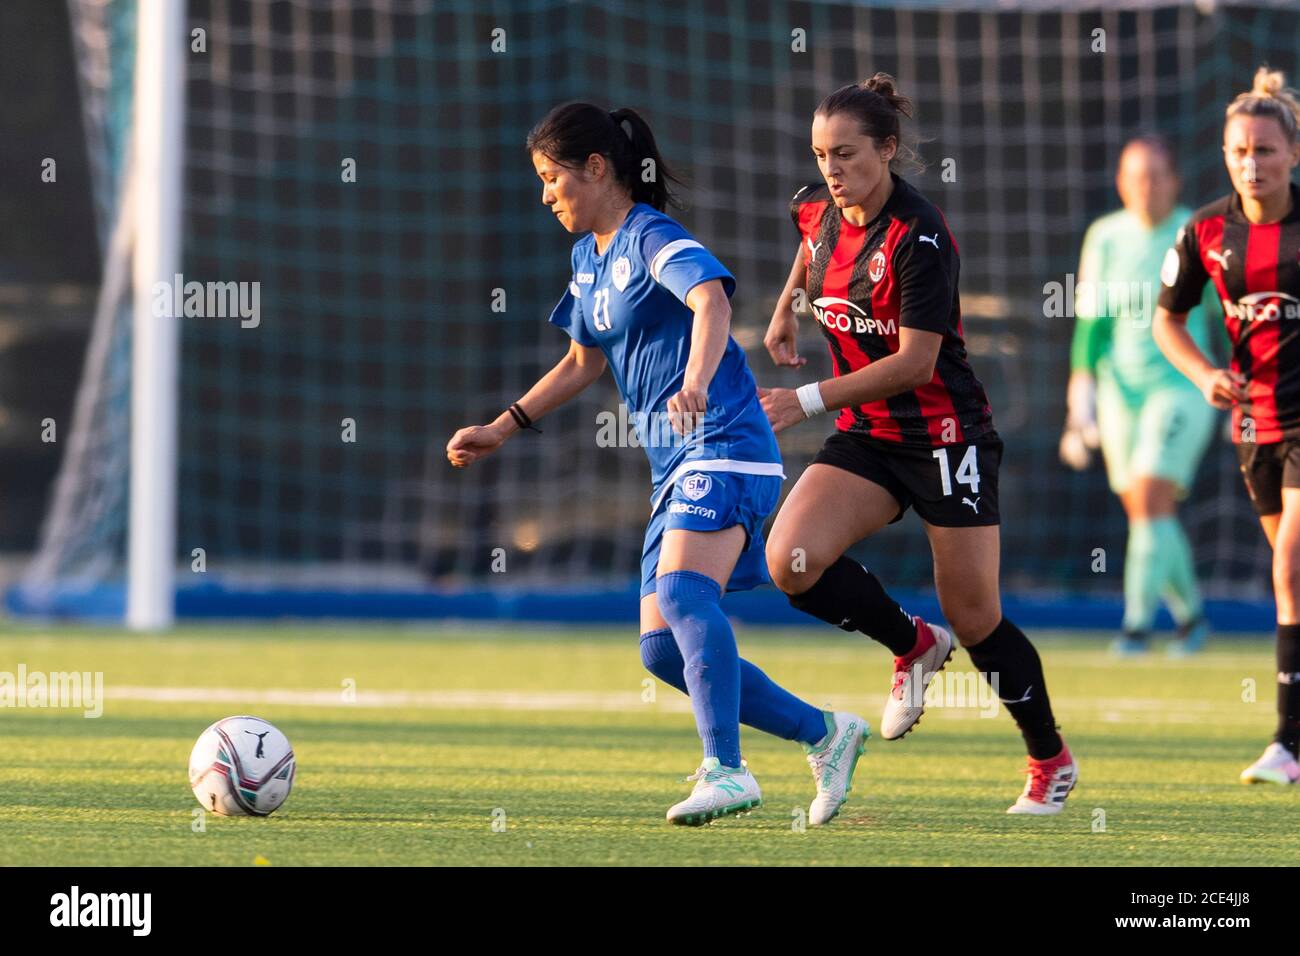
(810, 398)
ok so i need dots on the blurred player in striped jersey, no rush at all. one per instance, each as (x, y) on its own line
(1248, 245)
(1152, 424)
(650, 302)
(914, 429)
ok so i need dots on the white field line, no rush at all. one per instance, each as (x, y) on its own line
(419, 699)
(1167, 710)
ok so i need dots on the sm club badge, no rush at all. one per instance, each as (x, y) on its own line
(696, 486)
(622, 272)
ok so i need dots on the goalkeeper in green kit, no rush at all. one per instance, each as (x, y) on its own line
(1151, 422)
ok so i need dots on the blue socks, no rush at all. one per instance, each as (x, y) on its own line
(764, 705)
(698, 656)
(688, 601)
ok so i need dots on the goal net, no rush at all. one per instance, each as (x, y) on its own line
(356, 170)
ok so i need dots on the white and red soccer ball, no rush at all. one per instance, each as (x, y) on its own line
(242, 766)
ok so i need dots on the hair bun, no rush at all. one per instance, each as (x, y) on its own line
(883, 84)
(1268, 82)
(1270, 96)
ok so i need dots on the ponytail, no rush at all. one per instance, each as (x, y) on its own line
(649, 176)
(570, 133)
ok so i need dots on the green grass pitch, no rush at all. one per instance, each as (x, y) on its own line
(444, 744)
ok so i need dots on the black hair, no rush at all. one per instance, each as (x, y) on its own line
(571, 132)
(877, 106)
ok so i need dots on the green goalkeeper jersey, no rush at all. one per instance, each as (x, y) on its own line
(1115, 298)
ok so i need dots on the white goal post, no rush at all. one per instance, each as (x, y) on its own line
(156, 163)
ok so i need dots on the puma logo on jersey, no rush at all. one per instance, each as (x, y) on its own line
(975, 505)
(932, 240)
(1220, 257)
(813, 249)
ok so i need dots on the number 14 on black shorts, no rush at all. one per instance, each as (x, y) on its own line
(952, 486)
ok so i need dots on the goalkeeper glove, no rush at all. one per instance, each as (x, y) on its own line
(1080, 437)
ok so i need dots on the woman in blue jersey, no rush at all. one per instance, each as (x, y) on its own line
(651, 303)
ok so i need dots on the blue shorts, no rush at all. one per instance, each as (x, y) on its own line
(715, 501)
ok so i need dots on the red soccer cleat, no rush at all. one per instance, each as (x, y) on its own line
(1050, 782)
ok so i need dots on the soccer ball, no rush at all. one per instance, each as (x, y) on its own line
(241, 766)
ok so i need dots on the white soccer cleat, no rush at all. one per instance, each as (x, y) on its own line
(906, 701)
(1049, 783)
(718, 791)
(833, 764)
(1277, 765)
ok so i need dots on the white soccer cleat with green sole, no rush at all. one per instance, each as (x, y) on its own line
(719, 791)
(833, 764)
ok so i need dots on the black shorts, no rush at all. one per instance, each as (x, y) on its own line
(1267, 469)
(953, 486)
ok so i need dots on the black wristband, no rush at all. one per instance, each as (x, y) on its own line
(521, 418)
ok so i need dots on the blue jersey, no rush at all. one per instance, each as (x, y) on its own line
(631, 304)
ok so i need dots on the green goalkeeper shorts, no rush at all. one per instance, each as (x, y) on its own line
(1160, 434)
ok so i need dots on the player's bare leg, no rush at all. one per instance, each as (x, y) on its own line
(1285, 540)
(808, 537)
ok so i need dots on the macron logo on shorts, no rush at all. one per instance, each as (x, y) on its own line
(682, 508)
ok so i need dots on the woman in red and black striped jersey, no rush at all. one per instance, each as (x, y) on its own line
(1248, 245)
(879, 267)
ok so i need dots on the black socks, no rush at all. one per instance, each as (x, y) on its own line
(853, 599)
(1011, 666)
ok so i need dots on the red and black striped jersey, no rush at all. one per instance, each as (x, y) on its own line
(1256, 272)
(864, 284)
